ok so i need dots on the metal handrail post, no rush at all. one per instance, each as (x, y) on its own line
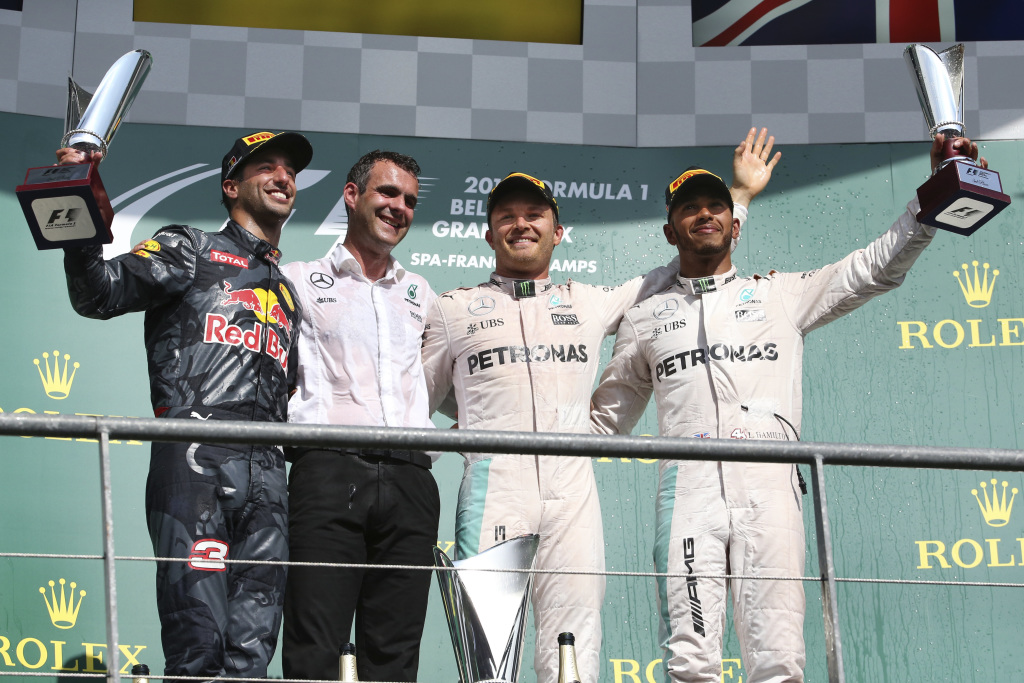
(113, 651)
(829, 599)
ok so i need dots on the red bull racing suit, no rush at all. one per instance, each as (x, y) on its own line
(723, 357)
(220, 328)
(523, 355)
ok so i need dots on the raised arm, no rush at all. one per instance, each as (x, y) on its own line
(154, 272)
(752, 165)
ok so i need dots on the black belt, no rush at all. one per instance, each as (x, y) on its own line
(418, 458)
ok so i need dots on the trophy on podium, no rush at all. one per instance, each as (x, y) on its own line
(487, 610)
(960, 196)
(67, 206)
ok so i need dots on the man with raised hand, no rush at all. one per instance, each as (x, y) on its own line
(723, 356)
(522, 354)
(220, 329)
(359, 364)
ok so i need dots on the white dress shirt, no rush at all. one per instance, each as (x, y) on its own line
(359, 344)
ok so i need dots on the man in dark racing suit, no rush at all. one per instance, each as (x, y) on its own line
(220, 329)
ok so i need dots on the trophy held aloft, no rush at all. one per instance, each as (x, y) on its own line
(67, 206)
(960, 196)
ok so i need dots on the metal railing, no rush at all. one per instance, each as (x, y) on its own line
(817, 455)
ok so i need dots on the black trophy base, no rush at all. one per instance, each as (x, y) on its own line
(961, 198)
(66, 206)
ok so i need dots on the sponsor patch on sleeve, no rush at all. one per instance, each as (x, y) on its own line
(146, 247)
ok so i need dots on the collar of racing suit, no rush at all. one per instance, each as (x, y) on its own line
(263, 249)
(702, 285)
(517, 289)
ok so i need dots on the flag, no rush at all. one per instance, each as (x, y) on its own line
(820, 22)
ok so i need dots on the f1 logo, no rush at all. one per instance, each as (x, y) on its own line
(208, 554)
(963, 212)
(69, 216)
(499, 533)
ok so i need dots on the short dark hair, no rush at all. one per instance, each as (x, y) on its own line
(360, 172)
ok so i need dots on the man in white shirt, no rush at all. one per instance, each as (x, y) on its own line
(359, 364)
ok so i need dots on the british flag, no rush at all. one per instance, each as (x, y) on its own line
(818, 22)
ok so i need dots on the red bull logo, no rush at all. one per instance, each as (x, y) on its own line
(265, 306)
(262, 303)
(220, 331)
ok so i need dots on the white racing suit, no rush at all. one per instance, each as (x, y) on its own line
(529, 364)
(723, 357)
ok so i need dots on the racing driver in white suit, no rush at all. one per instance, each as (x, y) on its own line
(522, 355)
(723, 356)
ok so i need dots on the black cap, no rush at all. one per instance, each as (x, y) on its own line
(520, 181)
(295, 145)
(348, 649)
(566, 639)
(693, 180)
(140, 670)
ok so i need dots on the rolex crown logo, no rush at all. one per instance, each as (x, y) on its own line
(977, 291)
(56, 382)
(63, 610)
(996, 511)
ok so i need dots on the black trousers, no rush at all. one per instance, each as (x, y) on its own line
(209, 503)
(349, 508)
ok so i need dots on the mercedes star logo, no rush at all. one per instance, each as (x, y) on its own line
(322, 280)
(482, 305)
(666, 309)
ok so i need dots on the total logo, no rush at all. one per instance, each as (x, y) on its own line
(977, 287)
(995, 501)
(62, 603)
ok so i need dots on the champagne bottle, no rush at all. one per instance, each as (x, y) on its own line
(347, 663)
(140, 673)
(567, 670)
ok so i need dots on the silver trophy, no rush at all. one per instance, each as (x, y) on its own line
(67, 206)
(487, 610)
(960, 196)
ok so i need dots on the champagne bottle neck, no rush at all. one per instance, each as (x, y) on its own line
(567, 670)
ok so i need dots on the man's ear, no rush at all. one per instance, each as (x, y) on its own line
(670, 234)
(735, 228)
(559, 233)
(230, 188)
(351, 193)
(489, 237)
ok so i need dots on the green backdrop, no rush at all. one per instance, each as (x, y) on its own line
(918, 366)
